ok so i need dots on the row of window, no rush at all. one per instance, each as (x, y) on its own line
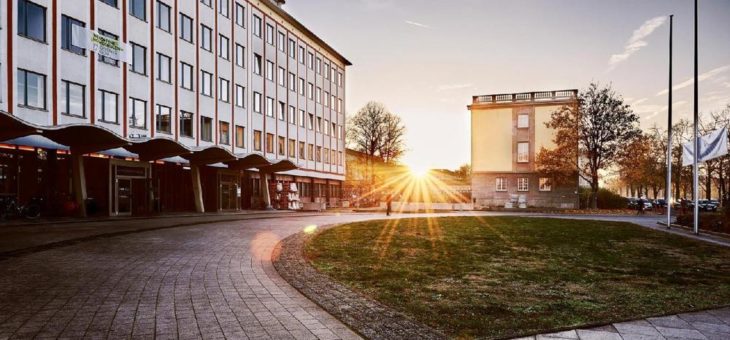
(137, 8)
(72, 100)
(306, 151)
(523, 184)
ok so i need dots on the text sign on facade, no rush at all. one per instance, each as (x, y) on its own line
(106, 47)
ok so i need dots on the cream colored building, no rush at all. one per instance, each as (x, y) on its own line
(508, 131)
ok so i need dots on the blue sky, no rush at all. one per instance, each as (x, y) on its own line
(425, 59)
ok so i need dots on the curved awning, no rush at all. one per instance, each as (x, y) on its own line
(157, 148)
(284, 165)
(248, 162)
(85, 138)
(12, 127)
(210, 155)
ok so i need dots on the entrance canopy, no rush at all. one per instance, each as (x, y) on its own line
(87, 138)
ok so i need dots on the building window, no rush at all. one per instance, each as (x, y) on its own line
(523, 184)
(301, 118)
(326, 99)
(281, 76)
(301, 55)
(523, 121)
(138, 9)
(318, 155)
(256, 25)
(112, 3)
(523, 152)
(32, 89)
(269, 70)
(206, 129)
(223, 7)
(282, 146)
(137, 113)
(257, 102)
(223, 47)
(302, 86)
(240, 96)
(257, 140)
(269, 106)
(67, 44)
(108, 60)
(139, 59)
(546, 184)
(109, 106)
(310, 91)
(281, 43)
(326, 71)
(206, 35)
(31, 20)
(240, 15)
(500, 184)
(341, 159)
(302, 151)
(326, 156)
(240, 137)
(208, 3)
(319, 95)
(292, 148)
(292, 49)
(282, 111)
(256, 64)
(319, 124)
(163, 68)
(73, 99)
(319, 66)
(186, 28)
(206, 83)
(224, 135)
(310, 60)
(339, 79)
(292, 115)
(240, 56)
(186, 76)
(292, 82)
(310, 152)
(186, 124)
(163, 119)
(269, 143)
(224, 93)
(163, 17)
(269, 34)
(310, 122)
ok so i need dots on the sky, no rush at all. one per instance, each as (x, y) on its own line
(426, 59)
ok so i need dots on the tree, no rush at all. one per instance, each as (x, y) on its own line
(588, 137)
(377, 132)
(464, 172)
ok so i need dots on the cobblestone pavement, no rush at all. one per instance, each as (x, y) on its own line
(707, 325)
(203, 281)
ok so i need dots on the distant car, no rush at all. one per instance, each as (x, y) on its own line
(660, 203)
(707, 205)
(648, 205)
(632, 202)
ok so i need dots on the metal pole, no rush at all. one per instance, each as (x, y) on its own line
(695, 175)
(668, 191)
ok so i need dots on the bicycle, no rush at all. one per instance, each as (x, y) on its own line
(9, 208)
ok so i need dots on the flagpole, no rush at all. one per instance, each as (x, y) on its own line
(668, 191)
(695, 176)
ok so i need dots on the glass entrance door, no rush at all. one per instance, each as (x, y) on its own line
(124, 196)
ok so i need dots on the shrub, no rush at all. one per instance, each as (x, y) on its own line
(606, 199)
(717, 222)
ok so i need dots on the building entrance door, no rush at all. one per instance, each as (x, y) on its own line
(230, 192)
(124, 196)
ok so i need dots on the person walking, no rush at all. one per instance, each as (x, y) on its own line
(388, 204)
(640, 206)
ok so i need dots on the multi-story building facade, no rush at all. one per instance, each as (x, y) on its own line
(241, 76)
(508, 131)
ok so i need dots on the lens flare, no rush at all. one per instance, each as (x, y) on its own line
(310, 229)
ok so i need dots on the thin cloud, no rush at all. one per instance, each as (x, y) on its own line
(702, 77)
(664, 108)
(636, 42)
(417, 24)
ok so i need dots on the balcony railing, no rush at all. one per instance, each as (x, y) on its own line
(544, 96)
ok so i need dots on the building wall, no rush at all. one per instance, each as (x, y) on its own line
(496, 136)
(57, 64)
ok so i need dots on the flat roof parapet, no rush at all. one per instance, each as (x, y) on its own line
(541, 97)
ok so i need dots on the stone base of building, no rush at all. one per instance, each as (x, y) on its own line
(485, 194)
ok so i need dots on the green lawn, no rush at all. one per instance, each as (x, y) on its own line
(508, 276)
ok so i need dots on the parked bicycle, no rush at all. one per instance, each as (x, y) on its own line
(9, 208)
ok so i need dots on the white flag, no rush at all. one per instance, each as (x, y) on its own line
(79, 36)
(711, 146)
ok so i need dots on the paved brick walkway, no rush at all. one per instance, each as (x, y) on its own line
(708, 325)
(202, 281)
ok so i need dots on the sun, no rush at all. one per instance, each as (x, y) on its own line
(418, 171)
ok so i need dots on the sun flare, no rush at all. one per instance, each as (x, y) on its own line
(419, 172)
